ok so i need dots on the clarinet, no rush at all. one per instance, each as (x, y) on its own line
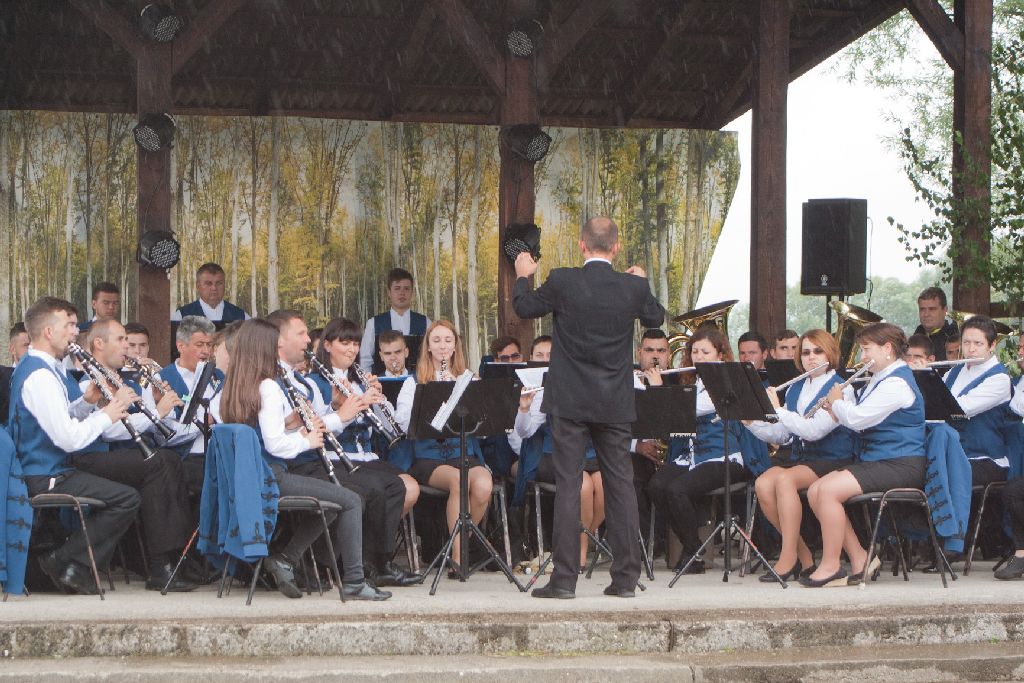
(392, 431)
(115, 380)
(308, 417)
(90, 365)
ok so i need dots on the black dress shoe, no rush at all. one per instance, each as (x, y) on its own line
(363, 591)
(807, 572)
(52, 568)
(390, 574)
(933, 568)
(793, 573)
(79, 579)
(837, 579)
(284, 575)
(550, 591)
(696, 567)
(873, 570)
(1014, 569)
(618, 592)
(158, 577)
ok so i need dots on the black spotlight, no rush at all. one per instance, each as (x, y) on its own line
(157, 22)
(523, 39)
(159, 249)
(527, 141)
(154, 132)
(520, 237)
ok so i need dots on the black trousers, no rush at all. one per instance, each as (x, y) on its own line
(1013, 501)
(676, 490)
(643, 471)
(985, 471)
(383, 494)
(611, 441)
(105, 526)
(166, 520)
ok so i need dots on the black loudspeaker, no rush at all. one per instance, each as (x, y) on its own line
(834, 247)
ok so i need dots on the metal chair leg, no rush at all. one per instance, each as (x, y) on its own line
(871, 543)
(540, 526)
(252, 584)
(503, 514)
(88, 545)
(331, 553)
(977, 525)
(223, 576)
(751, 513)
(415, 542)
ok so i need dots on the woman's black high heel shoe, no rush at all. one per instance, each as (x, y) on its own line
(792, 574)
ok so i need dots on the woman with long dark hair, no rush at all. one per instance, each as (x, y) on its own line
(253, 396)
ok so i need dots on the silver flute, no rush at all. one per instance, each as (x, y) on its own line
(853, 378)
(800, 377)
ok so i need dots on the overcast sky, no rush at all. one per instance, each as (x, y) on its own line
(836, 148)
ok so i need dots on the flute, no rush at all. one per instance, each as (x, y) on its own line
(820, 404)
(800, 377)
(951, 363)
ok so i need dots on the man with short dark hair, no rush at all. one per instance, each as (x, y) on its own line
(753, 349)
(931, 311)
(210, 304)
(786, 343)
(138, 341)
(400, 317)
(394, 353)
(919, 352)
(106, 304)
(17, 348)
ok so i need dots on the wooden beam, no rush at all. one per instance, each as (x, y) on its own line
(467, 31)
(405, 58)
(113, 23)
(560, 42)
(768, 157)
(972, 160)
(656, 51)
(944, 34)
(198, 32)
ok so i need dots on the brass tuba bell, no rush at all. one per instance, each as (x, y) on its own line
(852, 319)
(687, 324)
(1002, 330)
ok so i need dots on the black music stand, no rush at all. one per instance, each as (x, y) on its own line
(738, 394)
(196, 399)
(939, 403)
(779, 372)
(489, 405)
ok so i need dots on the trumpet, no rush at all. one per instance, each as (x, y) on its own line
(97, 373)
(853, 378)
(308, 417)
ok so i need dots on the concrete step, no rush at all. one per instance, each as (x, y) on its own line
(891, 664)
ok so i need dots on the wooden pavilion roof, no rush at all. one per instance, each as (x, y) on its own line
(625, 63)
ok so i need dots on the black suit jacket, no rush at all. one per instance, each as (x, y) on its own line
(594, 308)
(6, 373)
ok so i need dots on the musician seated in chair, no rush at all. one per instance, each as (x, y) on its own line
(676, 490)
(919, 352)
(1013, 496)
(388, 493)
(888, 416)
(753, 349)
(256, 393)
(436, 461)
(394, 353)
(166, 519)
(819, 446)
(50, 421)
(787, 346)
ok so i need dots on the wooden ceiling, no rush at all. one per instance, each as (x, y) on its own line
(624, 63)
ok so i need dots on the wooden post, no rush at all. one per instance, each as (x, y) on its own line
(768, 155)
(154, 196)
(972, 161)
(516, 194)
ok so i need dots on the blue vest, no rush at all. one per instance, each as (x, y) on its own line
(417, 323)
(839, 444)
(710, 441)
(38, 454)
(982, 436)
(902, 433)
(172, 376)
(84, 326)
(359, 431)
(230, 314)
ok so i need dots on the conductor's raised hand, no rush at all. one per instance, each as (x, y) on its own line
(637, 270)
(525, 265)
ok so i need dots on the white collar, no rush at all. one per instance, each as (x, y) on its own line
(48, 358)
(401, 315)
(597, 258)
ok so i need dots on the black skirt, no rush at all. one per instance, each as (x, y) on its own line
(819, 467)
(422, 469)
(546, 468)
(895, 473)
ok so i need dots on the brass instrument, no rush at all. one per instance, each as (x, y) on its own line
(852, 319)
(97, 374)
(853, 378)
(687, 324)
(305, 410)
(379, 414)
(148, 374)
(1002, 329)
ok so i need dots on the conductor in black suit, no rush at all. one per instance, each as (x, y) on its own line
(589, 392)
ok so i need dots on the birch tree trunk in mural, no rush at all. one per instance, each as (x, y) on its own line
(89, 133)
(273, 299)
(71, 169)
(472, 290)
(6, 227)
(662, 218)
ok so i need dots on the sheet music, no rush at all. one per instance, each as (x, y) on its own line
(532, 378)
(446, 409)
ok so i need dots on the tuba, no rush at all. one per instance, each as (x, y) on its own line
(1002, 329)
(687, 324)
(852, 319)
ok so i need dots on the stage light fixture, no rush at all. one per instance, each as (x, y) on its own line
(523, 39)
(158, 22)
(154, 132)
(527, 141)
(520, 237)
(159, 249)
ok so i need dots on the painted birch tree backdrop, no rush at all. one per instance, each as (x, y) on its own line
(312, 213)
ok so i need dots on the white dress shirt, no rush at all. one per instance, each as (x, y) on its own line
(185, 433)
(994, 391)
(117, 431)
(527, 424)
(360, 454)
(400, 322)
(332, 421)
(880, 399)
(274, 410)
(46, 396)
(213, 313)
(794, 424)
(1017, 402)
